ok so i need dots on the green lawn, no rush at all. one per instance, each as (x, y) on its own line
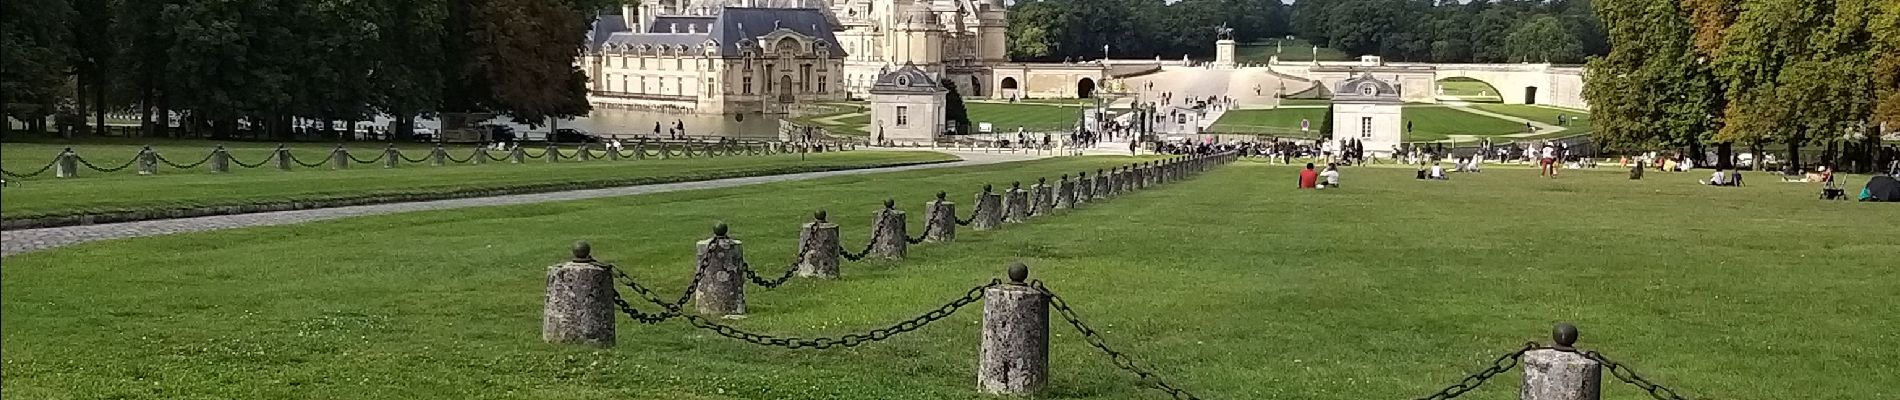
(1284, 121)
(1305, 102)
(1291, 50)
(1006, 117)
(125, 191)
(1231, 285)
(1471, 90)
(1434, 123)
(26, 156)
(1578, 120)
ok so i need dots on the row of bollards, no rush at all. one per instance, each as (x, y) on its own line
(66, 163)
(1015, 336)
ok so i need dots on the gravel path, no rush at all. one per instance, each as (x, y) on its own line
(29, 240)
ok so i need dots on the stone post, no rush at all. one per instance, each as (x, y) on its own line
(640, 151)
(580, 302)
(1065, 193)
(1102, 181)
(663, 154)
(220, 160)
(721, 290)
(584, 153)
(1015, 204)
(1085, 188)
(391, 157)
(818, 248)
(989, 210)
(1126, 179)
(889, 237)
(438, 156)
(66, 164)
(1039, 201)
(1015, 350)
(1140, 172)
(148, 161)
(517, 155)
(613, 154)
(283, 158)
(480, 156)
(940, 220)
(340, 158)
(1560, 373)
(553, 154)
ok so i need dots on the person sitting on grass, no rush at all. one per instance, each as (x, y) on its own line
(1331, 176)
(1437, 173)
(1309, 179)
(1719, 178)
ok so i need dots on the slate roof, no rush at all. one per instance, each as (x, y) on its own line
(907, 79)
(729, 28)
(1353, 90)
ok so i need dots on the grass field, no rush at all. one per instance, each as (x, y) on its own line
(1471, 90)
(1291, 50)
(1578, 121)
(125, 191)
(1434, 123)
(1006, 117)
(1284, 121)
(1305, 102)
(1231, 285)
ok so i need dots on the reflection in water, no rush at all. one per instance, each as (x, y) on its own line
(629, 123)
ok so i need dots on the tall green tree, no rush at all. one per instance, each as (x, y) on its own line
(34, 46)
(1651, 90)
(1543, 39)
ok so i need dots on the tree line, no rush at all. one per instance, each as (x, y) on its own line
(1555, 31)
(265, 63)
(1683, 74)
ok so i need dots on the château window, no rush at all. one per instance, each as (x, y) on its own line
(804, 78)
(643, 62)
(679, 64)
(821, 84)
(710, 88)
(1365, 127)
(903, 116)
(680, 85)
(748, 85)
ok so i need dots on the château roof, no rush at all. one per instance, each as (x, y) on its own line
(732, 29)
(1366, 89)
(907, 80)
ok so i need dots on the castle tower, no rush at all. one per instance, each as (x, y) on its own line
(992, 31)
(919, 38)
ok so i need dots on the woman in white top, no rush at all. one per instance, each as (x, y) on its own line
(1331, 177)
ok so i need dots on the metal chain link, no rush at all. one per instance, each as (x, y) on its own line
(974, 212)
(42, 170)
(82, 161)
(411, 161)
(524, 153)
(464, 160)
(1498, 366)
(379, 157)
(1624, 373)
(491, 156)
(775, 282)
(1118, 358)
(161, 158)
(326, 160)
(234, 160)
(877, 232)
(850, 340)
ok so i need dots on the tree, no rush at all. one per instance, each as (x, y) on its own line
(1885, 34)
(1651, 89)
(34, 45)
(955, 113)
(1543, 39)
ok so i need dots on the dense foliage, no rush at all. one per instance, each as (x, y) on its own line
(265, 62)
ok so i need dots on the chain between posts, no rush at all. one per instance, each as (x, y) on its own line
(379, 158)
(411, 161)
(974, 213)
(1118, 358)
(877, 232)
(671, 308)
(524, 153)
(234, 160)
(491, 156)
(1498, 366)
(161, 158)
(464, 160)
(42, 170)
(82, 161)
(293, 159)
(1623, 373)
(850, 340)
(776, 282)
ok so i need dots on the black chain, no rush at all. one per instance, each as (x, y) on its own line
(491, 156)
(626, 154)
(1118, 358)
(775, 282)
(851, 340)
(920, 237)
(161, 158)
(293, 159)
(411, 161)
(82, 161)
(544, 153)
(1498, 366)
(876, 233)
(379, 158)
(464, 160)
(1624, 373)
(35, 173)
(234, 160)
(974, 212)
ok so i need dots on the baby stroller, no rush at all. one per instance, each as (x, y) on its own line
(1833, 191)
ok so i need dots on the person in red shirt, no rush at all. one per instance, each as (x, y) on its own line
(1308, 177)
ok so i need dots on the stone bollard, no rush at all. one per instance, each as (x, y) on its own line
(580, 302)
(1126, 179)
(1561, 372)
(1140, 172)
(1039, 201)
(66, 164)
(1084, 188)
(721, 270)
(1015, 350)
(584, 153)
(989, 210)
(889, 238)
(148, 161)
(940, 220)
(1065, 193)
(517, 155)
(1102, 179)
(553, 154)
(391, 157)
(1015, 204)
(613, 154)
(281, 156)
(438, 156)
(640, 151)
(664, 155)
(220, 160)
(340, 158)
(480, 157)
(818, 248)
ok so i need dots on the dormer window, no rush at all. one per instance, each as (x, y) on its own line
(1368, 90)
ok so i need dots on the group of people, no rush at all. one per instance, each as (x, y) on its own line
(1319, 180)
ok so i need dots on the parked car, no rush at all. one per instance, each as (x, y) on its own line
(498, 133)
(422, 134)
(569, 135)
